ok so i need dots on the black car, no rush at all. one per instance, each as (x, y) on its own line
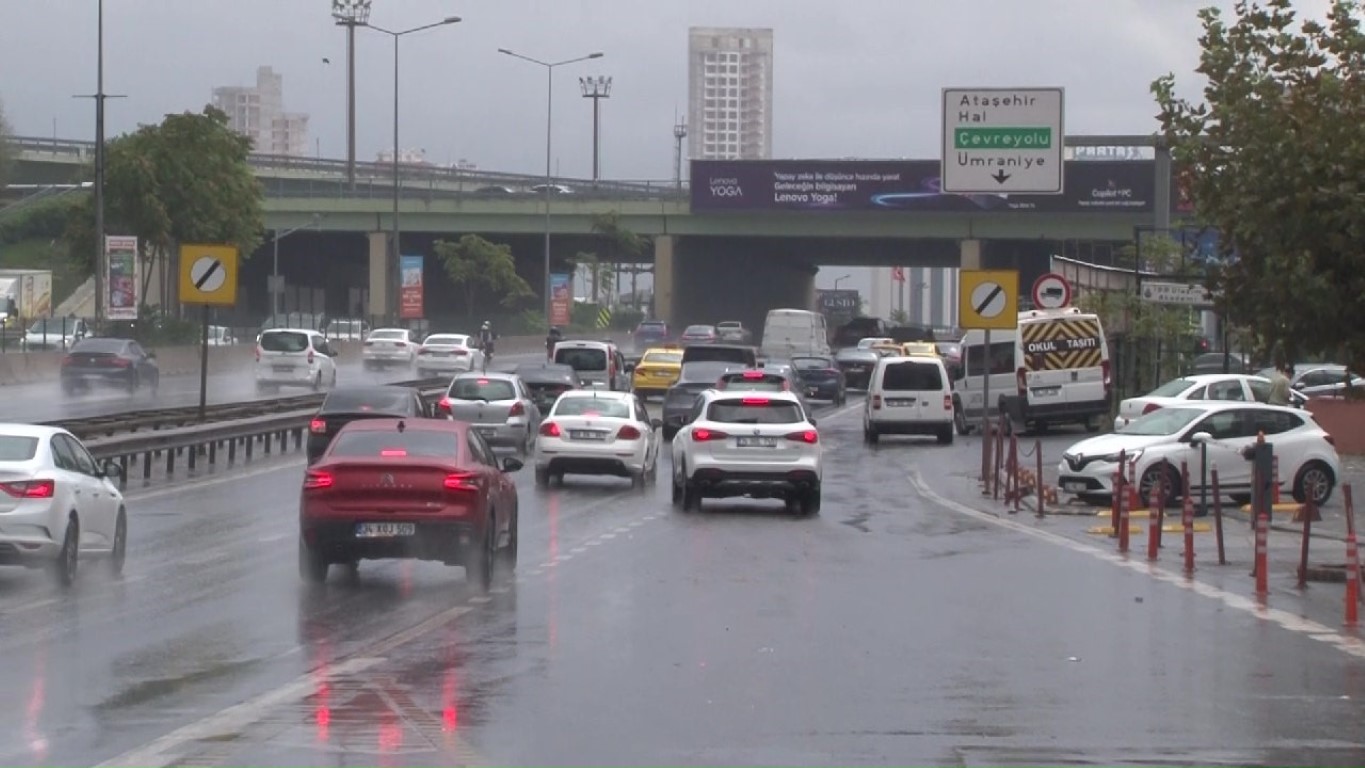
(121, 362)
(694, 379)
(650, 332)
(547, 381)
(821, 378)
(347, 404)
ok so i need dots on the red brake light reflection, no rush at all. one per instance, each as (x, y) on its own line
(482, 381)
(393, 452)
(317, 479)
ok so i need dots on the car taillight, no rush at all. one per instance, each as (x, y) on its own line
(809, 437)
(119, 362)
(876, 402)
(317, 426)
(68, 360)
(30, 489)
(753, 375)
(517, 409)
(1105, 372)
(702, 435)
(423, 351)
(310, 357)
(461, 481)
(443, 405)
(1021, 380)
(402, 344)
(550, 429)
(947, 402)
(316, 479)
(1149, 408)
(369, 343)
(258, 353)
(755, 401)
(393, 453)
(628, 433)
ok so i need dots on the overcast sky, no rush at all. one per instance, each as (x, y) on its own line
(856, 78)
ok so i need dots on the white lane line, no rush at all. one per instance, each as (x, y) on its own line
(564, 558)
(1350, 645)
(578, 550)
(622, 528)
(607, 536)
(592, 543)
(480, 600)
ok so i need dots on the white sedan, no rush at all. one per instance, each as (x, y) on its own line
(57, 503)
(447, 353)
(1163, 440)
(1221, 387)
(597, 432)
(760, 445)
(388, 346)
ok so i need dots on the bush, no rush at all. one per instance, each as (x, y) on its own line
(44, 220)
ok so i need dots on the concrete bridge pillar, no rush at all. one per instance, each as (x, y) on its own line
(379, 274)
(971, 254)
(664, 279)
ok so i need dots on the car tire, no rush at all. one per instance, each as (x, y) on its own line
(313, 566)
(960, 420)
(1091, 424)
(691, 501)
(945, 435)
(68, 387)
(1314, 483)
(317, 382)
(68, 559)
(1160, 473)
(479, 569)
(542, 478)
(870, 434)
(810, 503)
(669, 434)
(118, 555)
(677, 490)
(133, 382)
(508, 555)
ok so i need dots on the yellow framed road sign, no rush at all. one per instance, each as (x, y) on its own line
(988, 299)
(208, 275)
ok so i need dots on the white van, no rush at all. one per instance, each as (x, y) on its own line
(789, 333)
(909, 396)
(1053, 370)
(294, 357)
(598, 363)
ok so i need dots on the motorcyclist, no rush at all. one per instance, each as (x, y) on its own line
(486, 337)
(554, 337)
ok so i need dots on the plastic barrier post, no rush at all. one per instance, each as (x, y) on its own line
(986, 462)
(1353, 595)
(1187, 518)
(1014, 470)
(1116, 498)
(1123, 524)
(1218, 516)
(1262, 554)
(1038, 481)
(1155, 501)
(1309, 511)
(1000, 460)
(1275, 479)
(1166, 493)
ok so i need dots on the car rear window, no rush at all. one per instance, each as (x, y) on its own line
(582, 358)
(104, 346)
(417, 443)
(663, 358)
(381, 400)
(390, 335)
(482, 389)
(698, 330)
(284, 341)
(18, 448)
(811, 363)
(912, 377)
(446, 341)
(591, 406)
(755, 410)
(751, 383)
(651, 326)
(709, 353)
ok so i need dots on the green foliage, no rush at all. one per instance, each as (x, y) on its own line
(1274, 156)
(42, 219)
(601, 277)
(476, 265)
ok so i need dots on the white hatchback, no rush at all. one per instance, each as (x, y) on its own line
(294, 357)
(760, 445)
(1164, 440)
(594, 432)
(57, 503)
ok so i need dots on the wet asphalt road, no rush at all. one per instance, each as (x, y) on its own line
(889, 629)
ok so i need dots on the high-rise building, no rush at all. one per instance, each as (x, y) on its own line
(730, 93)
(259, 114)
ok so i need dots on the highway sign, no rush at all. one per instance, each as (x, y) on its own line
(988, 299)
(208, 275)
(1051, 291)
(1002, 141)
(1186, 294)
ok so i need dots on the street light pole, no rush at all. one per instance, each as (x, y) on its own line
(350, 14)
(679, 133)
(837, 279)
(549, 127)
(275, 288)
(596, 88)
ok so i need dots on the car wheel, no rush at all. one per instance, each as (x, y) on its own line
(508, 555)
(313, 566)
(691, 498)
(1314, 484)
(68, 559)
(960, 420)
(119, 555)
(480, 570)
(945, 435)
(133, 382)
(1159, 475)
(68, 387)
(669, 434)
(870, 434)
(677, 490)
(1091, 424)
(317, 382)
(542, 478)
(810, 503)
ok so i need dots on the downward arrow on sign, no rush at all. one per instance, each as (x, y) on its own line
(1001, 177)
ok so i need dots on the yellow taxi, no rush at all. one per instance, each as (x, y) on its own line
(919, 349)
(887, 349)
(657, 370)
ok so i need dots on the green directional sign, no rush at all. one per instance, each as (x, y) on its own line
(1002, 138)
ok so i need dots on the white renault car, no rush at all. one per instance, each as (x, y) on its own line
(597, 432)
(294, 357)
(389, 346)
(1223, 387)
(759, 445)
(447, 353)
(1160, 441)
(57, 503)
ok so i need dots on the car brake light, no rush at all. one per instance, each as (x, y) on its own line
(310, 357)
(317, 426)
(1149, 408)
(876, 402)
(482, 381)
(1105, 372)
(702, 435)
(755, 401)
(809, 437)
(753, 374)
(628, 433)
(460, 481)
(443, 405)
(392, 453)
(317, 479)
(947, 402)
(1021, 380)
(550, 429)
(119, 362)
(517, 409)
(30, 489)
(68, 360)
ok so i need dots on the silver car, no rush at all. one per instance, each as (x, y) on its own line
(498, 405)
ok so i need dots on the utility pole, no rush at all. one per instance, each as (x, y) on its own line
(350, 14)
(679, 133)
(596, 88)
(99, 96)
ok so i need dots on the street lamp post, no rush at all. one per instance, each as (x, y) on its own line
(549, 124)
(837, 279)
(596, 88)
(392, 292)
(276, 289)
(350, 14)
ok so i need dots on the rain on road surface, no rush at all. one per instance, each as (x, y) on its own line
(889, 629)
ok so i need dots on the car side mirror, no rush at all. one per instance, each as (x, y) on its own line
(111, 468)
(151, 355)
(1199, 438)
(511, 464)
(656, 423)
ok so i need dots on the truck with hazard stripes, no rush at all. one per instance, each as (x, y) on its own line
(1053, 369)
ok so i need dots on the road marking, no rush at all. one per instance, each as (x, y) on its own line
(480, 600)
(195, 485)
(1350, 645)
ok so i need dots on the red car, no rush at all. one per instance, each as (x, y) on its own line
(422, 489)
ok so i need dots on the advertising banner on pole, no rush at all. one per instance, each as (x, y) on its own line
(120, 259)
(410, 298)
(561, 299)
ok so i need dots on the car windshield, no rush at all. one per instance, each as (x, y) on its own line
(662, 358)
(748, 382)
(377, 399)
(1172, 388)
(100, 346)
(18, 448)
(592, 406)
(436, 340)
(811, 363)
(53, 325)
(582, 358)
(416, 443)
(284, 341)
(755, 410)
(870, 343)
(388, 336)
(1166, 421)
(482, 389)
(650, 326)
(699, 330)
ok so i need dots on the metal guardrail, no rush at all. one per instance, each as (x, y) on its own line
(166, 420)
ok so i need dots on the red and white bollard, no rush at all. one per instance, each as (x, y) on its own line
(1275, 479)
(1352, 562)
(1262, 554)
(1187, 519)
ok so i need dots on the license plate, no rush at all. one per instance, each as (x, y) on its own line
(899, 403)
(282, 368)
(756, 442)
(384, 530)
(1074, 486)
(579, 434)
(487, 431)
(812, 391)
(1047, 392)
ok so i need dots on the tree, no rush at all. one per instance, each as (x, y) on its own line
(1274, 156)
(186, 180)
(621, 244)
(475, 264)
(6, 149)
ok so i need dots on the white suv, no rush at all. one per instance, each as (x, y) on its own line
(294, 357)
(760, 445)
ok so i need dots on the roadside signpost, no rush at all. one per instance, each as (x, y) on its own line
(1051, 291)
(208, 277)
(1000, 141)
(988, 299)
